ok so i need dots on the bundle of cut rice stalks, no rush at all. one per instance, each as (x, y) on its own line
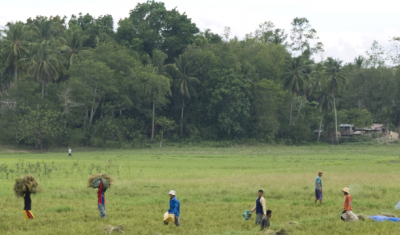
(19, 186)
(93, 180)
(111, 229)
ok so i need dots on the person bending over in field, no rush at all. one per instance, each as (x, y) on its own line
(174, 207)
(265, 220)
(28, 203)
(318, 188)
(260, 207)
(347, 203)
(101, 199)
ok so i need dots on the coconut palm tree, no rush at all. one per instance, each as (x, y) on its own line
(335, 82)
(74, 41)
(158, 62)
(45, 63)
(296, 77)
(185, 83)
(14, 46)
(324, 106)
(359, 61)
(157, 87)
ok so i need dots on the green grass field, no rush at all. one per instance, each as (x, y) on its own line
(214, 185)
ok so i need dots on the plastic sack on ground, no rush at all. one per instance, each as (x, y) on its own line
(169, 218)
(397, 207)
(349, 216)
(384, 218)
(247, 215)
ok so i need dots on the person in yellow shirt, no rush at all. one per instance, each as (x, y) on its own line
(347, 203)
(260, 207)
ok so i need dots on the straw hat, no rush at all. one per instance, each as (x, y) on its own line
(172, 192)
(346, 190)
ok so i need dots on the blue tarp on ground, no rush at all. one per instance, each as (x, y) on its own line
(384, 218)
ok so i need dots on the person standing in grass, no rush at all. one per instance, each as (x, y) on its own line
(318, 188)
(347, 203)
(101, 199)
(174, 207)
(28, 203)
(69, 152)
(265, 220)
(260, 207)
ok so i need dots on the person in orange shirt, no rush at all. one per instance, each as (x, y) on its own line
(347, 203)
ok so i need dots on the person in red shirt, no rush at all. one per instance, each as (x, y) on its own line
(347, 203)
(101, 199)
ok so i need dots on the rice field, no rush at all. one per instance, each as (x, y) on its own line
(214, 185)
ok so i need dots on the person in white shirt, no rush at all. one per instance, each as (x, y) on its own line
(69, 152)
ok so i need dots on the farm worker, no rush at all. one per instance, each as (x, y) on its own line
(28, 203)
(260, 207)
(174, 207)
(265, 220)
(101, 199)
(318, 188)
(347, 202)
(69, 152)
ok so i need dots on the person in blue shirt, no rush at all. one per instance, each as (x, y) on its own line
(174, 207)
(318, 188)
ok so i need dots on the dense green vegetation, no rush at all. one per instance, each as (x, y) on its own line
(80, 81)
(214, 185)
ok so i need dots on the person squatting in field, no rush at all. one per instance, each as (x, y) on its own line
(28, 203)
(347, 203)
(265, 220)
(174, 207)
(101, 199)
(260, 207)
(318, 188)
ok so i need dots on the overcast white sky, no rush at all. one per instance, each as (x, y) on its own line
(347, 28)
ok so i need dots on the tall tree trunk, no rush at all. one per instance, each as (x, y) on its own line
(15, 76)
(183, 104)
(152, 122)
(298, 112)
(334, 107)
(42, 88)
(291, 109)
(319, 130)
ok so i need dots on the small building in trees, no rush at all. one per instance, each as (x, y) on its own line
(347, 129)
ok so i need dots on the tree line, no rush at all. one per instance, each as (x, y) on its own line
(157, 76)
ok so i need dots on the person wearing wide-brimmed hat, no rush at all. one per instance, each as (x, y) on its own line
(347, 203)
(318, 188)
(174, 207)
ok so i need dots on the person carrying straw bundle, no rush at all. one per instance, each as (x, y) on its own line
(28, 203)
(24, 187)
(102, 182)
(101, 199)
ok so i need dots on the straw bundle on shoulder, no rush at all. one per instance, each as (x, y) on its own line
(105, 176)
(19, 186)
(111, 229)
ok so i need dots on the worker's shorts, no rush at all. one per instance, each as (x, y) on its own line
(318, 194)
